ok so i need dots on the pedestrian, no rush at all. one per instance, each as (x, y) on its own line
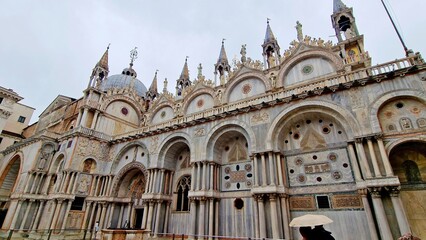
(306, 233)
(319, 233)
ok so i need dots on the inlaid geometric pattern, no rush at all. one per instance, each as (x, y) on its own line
(236, 177)
(346, 201)
(302, 203)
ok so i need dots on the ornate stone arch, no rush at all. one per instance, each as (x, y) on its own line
(194, 94)
(252, 74)
(124, 170)
(225, 126)
(56, 160)
(7, 173)
(378, 103)
(126, 99)
(325, 54)
(168, 143)
(342, 115)
(392, 144)
(123, 150)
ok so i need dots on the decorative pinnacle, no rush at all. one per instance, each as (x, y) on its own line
(186, 59)
(267, 20)
(223, 41)
(133, 55)
(109, 44)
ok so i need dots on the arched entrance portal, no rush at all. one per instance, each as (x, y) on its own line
(128, 211)
(408, 161)
(7, 184)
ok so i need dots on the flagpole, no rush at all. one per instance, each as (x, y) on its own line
(396, 29)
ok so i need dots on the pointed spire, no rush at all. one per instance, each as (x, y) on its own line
(338, 5)
(269, 35)
(103, 62)
(222, 56)
(153, 86)
(185, 72)
(153, 91)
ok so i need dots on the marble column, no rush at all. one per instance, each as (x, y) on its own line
(271, 169)
(84, 118)
(264, 182)
(145, 214)
(211, 218)
(16, 214)
(56, 214)
(34, 183)
(39, 183)
(64, 221)
(29, 183)
(95, 118)
(262, 219)
(120, 215)
(193, 177)
(202, 218)
(157, 218)
(216, 218)
(384, 156)
(279, 170)
(193, 210)
(401, 217)
(92, 213)
(373, 158)
(150, 215)
(285, 215)
(86, 213)
(102, 220)
(369, 214)
(274, 216)
(45, 187)
(361, 153)
(166, 220)
(256, 216)
(256, 171)
(162, 180)
(27, 210)
(199, 177)
(154, 182)
(382, 221)
(37, 218)
(204, 178)
(111, 214)
(354, 162)
(211, 183)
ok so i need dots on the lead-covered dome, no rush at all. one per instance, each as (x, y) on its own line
(127, 79)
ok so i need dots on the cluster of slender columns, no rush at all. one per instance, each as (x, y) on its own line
(205, 176)
(382, 221)
(207, 222)
(160, 181)
(268, 167)
(359, 148)
(279, 212)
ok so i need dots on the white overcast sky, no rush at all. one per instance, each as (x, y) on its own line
(49, 47)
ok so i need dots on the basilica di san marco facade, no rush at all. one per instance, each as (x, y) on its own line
(313, 129)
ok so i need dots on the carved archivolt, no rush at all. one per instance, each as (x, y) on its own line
(124, 170)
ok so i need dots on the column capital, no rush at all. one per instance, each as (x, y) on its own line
(393, 190)
(359, 139)
(258, 197)
(376, 192)
(379, 136)
(283, 195)
(363, 192)
(272, 196)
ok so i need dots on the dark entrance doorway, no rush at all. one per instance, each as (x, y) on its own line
(139, 216)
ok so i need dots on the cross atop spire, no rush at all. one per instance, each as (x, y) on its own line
(338, 5)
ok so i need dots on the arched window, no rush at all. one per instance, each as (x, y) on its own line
(182, 191)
